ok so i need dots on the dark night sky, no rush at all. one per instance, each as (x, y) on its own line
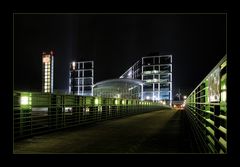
(115, 42)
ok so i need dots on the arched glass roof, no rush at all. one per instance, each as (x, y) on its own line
(118, 88)
(118, 82)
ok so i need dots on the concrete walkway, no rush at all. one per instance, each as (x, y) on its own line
(162, 131)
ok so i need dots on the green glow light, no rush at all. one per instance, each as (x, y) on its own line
(24, 100)
(224, 96)
(224, 86)
(96, 101)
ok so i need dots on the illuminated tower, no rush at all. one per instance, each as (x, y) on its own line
(47, 72)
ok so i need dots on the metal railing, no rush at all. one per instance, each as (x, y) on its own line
(36, 112)
(207, 110)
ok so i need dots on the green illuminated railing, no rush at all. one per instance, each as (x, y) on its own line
(207, 110)
(36, 112)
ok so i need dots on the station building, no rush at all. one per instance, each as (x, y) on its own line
(150, 78)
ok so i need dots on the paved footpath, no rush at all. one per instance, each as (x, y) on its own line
(162, 131)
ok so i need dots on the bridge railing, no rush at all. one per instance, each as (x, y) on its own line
(36, 112)
(207, 110)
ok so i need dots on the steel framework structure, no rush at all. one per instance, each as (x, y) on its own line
(81, 78)
(156, 72)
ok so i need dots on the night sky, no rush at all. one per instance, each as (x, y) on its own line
(115, 42)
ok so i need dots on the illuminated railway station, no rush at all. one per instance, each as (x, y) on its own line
(37, 113)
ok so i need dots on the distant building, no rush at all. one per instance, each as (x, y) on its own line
(118, 88)
(47, 72)
(156, 72)
(150, 78)
(81, 78)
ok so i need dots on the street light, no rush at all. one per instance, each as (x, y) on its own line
(184, 97)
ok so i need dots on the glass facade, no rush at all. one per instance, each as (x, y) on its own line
(81, 78)
(118, 88)
(156, 72)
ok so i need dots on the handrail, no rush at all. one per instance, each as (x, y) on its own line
(35, 112)
(206, 108)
